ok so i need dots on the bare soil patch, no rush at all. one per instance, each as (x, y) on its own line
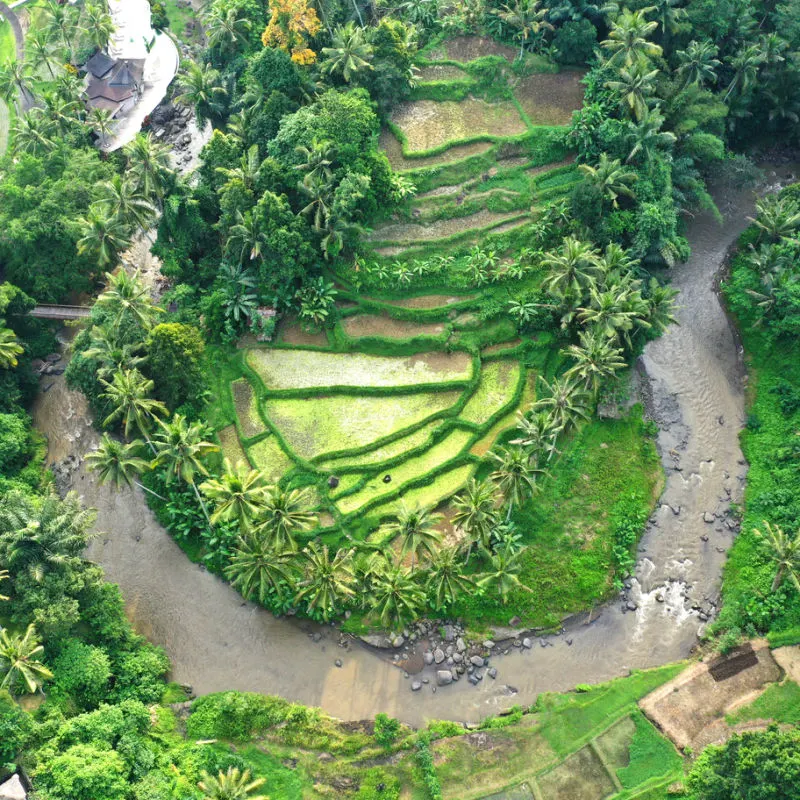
(425, 301)
(689, 704)
(499, 348)
(468, 48)
(428, 124)
(581, 777)
(388, 328)
(231, 446)
(394, 152)
(291, 332)
(550, 99)
(244, 399)
(441, 72)
(409, 232)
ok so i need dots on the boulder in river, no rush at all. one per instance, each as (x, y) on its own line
(444, 677)
(13, 789)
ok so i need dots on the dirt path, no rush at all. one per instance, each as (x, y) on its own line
(217, 641)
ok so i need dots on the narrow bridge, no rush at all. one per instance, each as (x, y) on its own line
(60, 312)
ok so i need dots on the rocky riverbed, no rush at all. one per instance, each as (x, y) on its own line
(693, 381)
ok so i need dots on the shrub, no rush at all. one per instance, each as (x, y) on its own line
(234, 715)
(377, 784)
(386, 730)
(15, 441)
(140, 674)
(574, 42)
(15, 725)
(83, 672)
(174, 355)
(86, 772)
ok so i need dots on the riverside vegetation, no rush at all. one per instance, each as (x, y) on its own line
(453, 271)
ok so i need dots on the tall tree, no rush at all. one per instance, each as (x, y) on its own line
(103, 237)
(445, 580)
(19, 661)
(475, 511)
(503, 572)
(609, 178)
(784, 551)
(148, 166)
(514, 475)
(396, 597)
(284, 513)
(415, 527)
(596, 360)
(260, 569)
(238, 494)
(526, 17)
(128, 393)
(117, 462)
(627, 43)
(349, 54)
(328, 581)
(126, 297)
(10, 348)
(232, 784)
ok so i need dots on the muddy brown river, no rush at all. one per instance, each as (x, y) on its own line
(693, 381)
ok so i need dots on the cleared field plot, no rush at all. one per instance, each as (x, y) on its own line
(409, 470)
(307, 369)
(427, 124)
(581, 777)
(468, 48)
(426, 301)
(409, 232)
(388, 328)
(391, 450)
(441, 72)
(268, 456)
(231, 446)
(346, 483)
(244, 398)
(291, 332)
(394, 152)
(314, 426)
(429, 496)
(614, 745)
(495, 390)
(550, 99)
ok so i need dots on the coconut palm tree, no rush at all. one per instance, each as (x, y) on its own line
(526, 17)
(394, 594)
(746, 64)
(350, 53)
(39, 52)
(609, 313)
(247, 238)
(10, 348)
(571, 269)
(98, 24)
(16, 85)
(33, 133)
(4, 577)
(110, 355)
(238, 494)
(43, 535)
(445, 579)
(126, 296)
(416, 529)
(566, 401)
(101, 121)
(103, 237)
(647, 137)
(128, 393)
(319, 194)
(61, 24)
(148, 166)
(503, 573)
(19, 663)
(226, 30)
(660, 306)
(230, 785)
(317, 159)
(121, 199)
(284, 513)
(776, 216)
(784, 551)
(63, 114)
(698, 63)
(671, 19)
(634, 87)
(514, 475)
(261, 570)
(180, 447)
(596, 359)
(328, 581)
(475, 511)
(609, 178)
(200, 86)
(538, 433)
(627, 41)
(244, 175)
(117, 461)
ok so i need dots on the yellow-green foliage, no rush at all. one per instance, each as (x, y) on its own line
(380, 454)
(496, 388)
(302, 369)
(268, 456)
(409, 470)
(316, 425)
(231, 447)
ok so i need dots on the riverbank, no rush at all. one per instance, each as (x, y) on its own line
(217, 641)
